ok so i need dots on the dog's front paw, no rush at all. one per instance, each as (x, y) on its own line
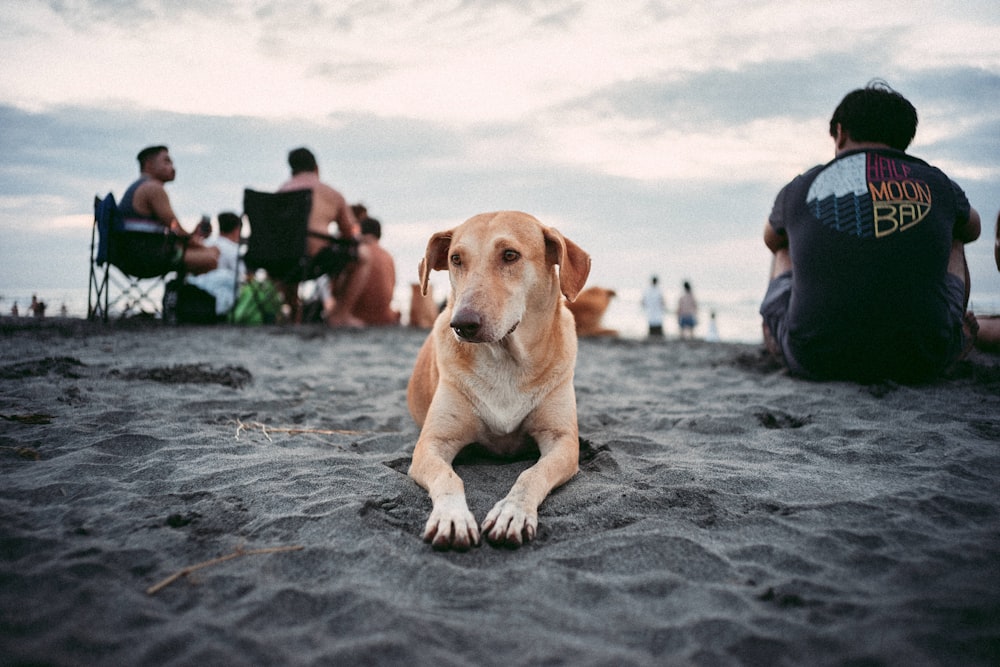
(510, 524)
(452, 526)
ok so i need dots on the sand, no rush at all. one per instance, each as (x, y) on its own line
(724, 514)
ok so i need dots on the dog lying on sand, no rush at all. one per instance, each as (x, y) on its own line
(423, 309)
(588, 309)
(497, 370)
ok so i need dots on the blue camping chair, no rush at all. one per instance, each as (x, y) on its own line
(135, 289)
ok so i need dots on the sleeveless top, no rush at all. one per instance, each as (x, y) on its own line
(134, 221)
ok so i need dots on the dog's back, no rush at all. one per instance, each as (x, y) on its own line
(423, 310)
(588, 310)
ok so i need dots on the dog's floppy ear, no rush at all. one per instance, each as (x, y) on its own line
(574, 263)
(435, 258)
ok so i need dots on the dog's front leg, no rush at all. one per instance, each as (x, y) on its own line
(451, 524)
(514, 520)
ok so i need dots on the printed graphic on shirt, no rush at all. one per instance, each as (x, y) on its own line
(869, 195)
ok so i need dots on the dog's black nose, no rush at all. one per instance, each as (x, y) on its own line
(466, 324)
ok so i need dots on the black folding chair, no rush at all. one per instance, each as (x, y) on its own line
(278, 229)
(135, 289)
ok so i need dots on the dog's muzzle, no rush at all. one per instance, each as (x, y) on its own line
(468, 326)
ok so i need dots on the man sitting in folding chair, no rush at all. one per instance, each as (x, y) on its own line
(347, 259)
(144, 208)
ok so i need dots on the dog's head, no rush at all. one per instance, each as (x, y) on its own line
(502, 266)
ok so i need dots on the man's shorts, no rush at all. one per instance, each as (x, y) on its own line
(147, 254)
(774, 310)
(333, 259)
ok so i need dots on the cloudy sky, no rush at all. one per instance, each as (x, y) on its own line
(655, 134)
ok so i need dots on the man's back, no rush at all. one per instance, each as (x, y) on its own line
(328, 206)
(870, 235)
(868, 276)
(374, 303)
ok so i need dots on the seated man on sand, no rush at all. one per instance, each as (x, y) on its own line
(222, 281)
(347, 263)
(988, 339)
(868, 279)
(153, 241)
(374, 304)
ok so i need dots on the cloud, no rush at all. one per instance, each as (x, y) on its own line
(653, 130)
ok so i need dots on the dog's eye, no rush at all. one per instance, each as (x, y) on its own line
(511, 256)
(456, 260)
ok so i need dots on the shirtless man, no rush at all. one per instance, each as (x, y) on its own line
(145, 207)
(348, 264)
(374, 306)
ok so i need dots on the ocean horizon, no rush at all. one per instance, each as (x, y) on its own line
(736, 312)
(737, 318)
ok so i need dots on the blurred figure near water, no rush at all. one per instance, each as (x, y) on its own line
(37, 307)
(713, 330)
(655, 307)
(687, 312)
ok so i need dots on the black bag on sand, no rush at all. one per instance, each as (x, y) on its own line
(187, 304)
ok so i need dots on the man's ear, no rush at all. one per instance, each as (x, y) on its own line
(841, 137)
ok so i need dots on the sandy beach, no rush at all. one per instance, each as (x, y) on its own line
(724, 513)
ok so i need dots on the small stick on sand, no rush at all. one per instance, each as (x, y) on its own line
(156, 588)
(267, 430)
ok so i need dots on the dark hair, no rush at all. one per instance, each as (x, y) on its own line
(302, 159)
(878, 114)
(148, 153)
(228, 221)
(371, 226)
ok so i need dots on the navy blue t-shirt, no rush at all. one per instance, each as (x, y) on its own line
(870, 235)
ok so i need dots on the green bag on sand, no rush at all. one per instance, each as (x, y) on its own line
(259, 302)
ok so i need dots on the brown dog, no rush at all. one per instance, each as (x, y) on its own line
(423, 310)
(497, 370)
(588, 309)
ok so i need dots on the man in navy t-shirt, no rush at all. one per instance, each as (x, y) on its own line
(869, 280)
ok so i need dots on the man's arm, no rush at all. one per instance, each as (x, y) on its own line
(774, 239)
(966, 229)
(152, 197)
(969, 230)
(346, 223)
(996, 244)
